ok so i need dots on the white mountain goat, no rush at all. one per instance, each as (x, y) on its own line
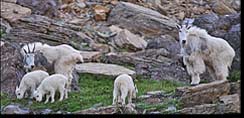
(30, 81)
(123, 86)
(51, 84)
(66, 64)
(201, 49)
(55, 56)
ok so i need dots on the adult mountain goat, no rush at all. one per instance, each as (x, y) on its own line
(201, 49)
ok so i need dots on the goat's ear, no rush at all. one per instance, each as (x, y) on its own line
(178, 26)
(16, 88)
(25, 51)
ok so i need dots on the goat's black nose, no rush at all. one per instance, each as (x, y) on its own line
(184, 41)
(32, 66)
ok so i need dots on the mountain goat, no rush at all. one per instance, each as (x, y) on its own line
(60, 58)
(51, 84)
(66, 64)
(30, 81)
(202, 50)
(123, 86)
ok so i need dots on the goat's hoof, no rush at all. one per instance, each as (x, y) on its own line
(194, 84)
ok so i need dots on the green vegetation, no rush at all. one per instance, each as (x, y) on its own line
(94, 89)
(234, 76)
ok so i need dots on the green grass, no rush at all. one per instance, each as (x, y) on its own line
(234, 76)
(94, 89)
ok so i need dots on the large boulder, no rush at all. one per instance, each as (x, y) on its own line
(41, 7)
(104, 69)
(138, 19)
(203, 93)
(43, 29)
(126, 39)
(13, 12)
(225, 104)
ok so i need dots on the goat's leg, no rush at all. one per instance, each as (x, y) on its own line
(47, 98)
(61, 91)
(123, 96)
(114, 97)
(52, 92)
(130, 97)
(195, 79)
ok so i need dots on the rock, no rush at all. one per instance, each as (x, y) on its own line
(206, 21)
(11, 67)
(100, 110)
(43, 29)
(226, 104)
(42, 7)
(100, 12)
(104, 69)
(203, 93)
(171, 108)
(234, 4)
(233, 36)
(152, 100)
(90, 56)
(155, 93)
(14, 109)
(13, 12)
(164, 41)
(126, 39)
(235, 88)
(220, 8)
(11, 1)
(46, 111)
(141, 20)
(144, 96)
(154, 112)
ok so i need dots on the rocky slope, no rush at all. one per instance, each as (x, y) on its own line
(138, 34)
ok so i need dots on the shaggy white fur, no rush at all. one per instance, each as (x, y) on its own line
(123, 86)
(215, 53)
(66, 64)
(63, 57)
(51, 84)
(29, 82)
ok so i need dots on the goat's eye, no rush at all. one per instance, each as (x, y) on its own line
(18, 93)
(37, 96)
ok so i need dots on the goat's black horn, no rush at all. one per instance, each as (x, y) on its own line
(34, 48)
(28, 48)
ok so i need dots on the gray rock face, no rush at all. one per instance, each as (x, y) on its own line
(141, 20)
(104, 69)
(43, 29)
(42, 7)
(15, 109)
(203, 93)
(12, 12)
(11, 67)
(225, 104)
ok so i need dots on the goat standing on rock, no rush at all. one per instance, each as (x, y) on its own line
(123, 86)
(199, 49)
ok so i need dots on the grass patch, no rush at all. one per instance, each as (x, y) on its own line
(94, 89)
(234, 76)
